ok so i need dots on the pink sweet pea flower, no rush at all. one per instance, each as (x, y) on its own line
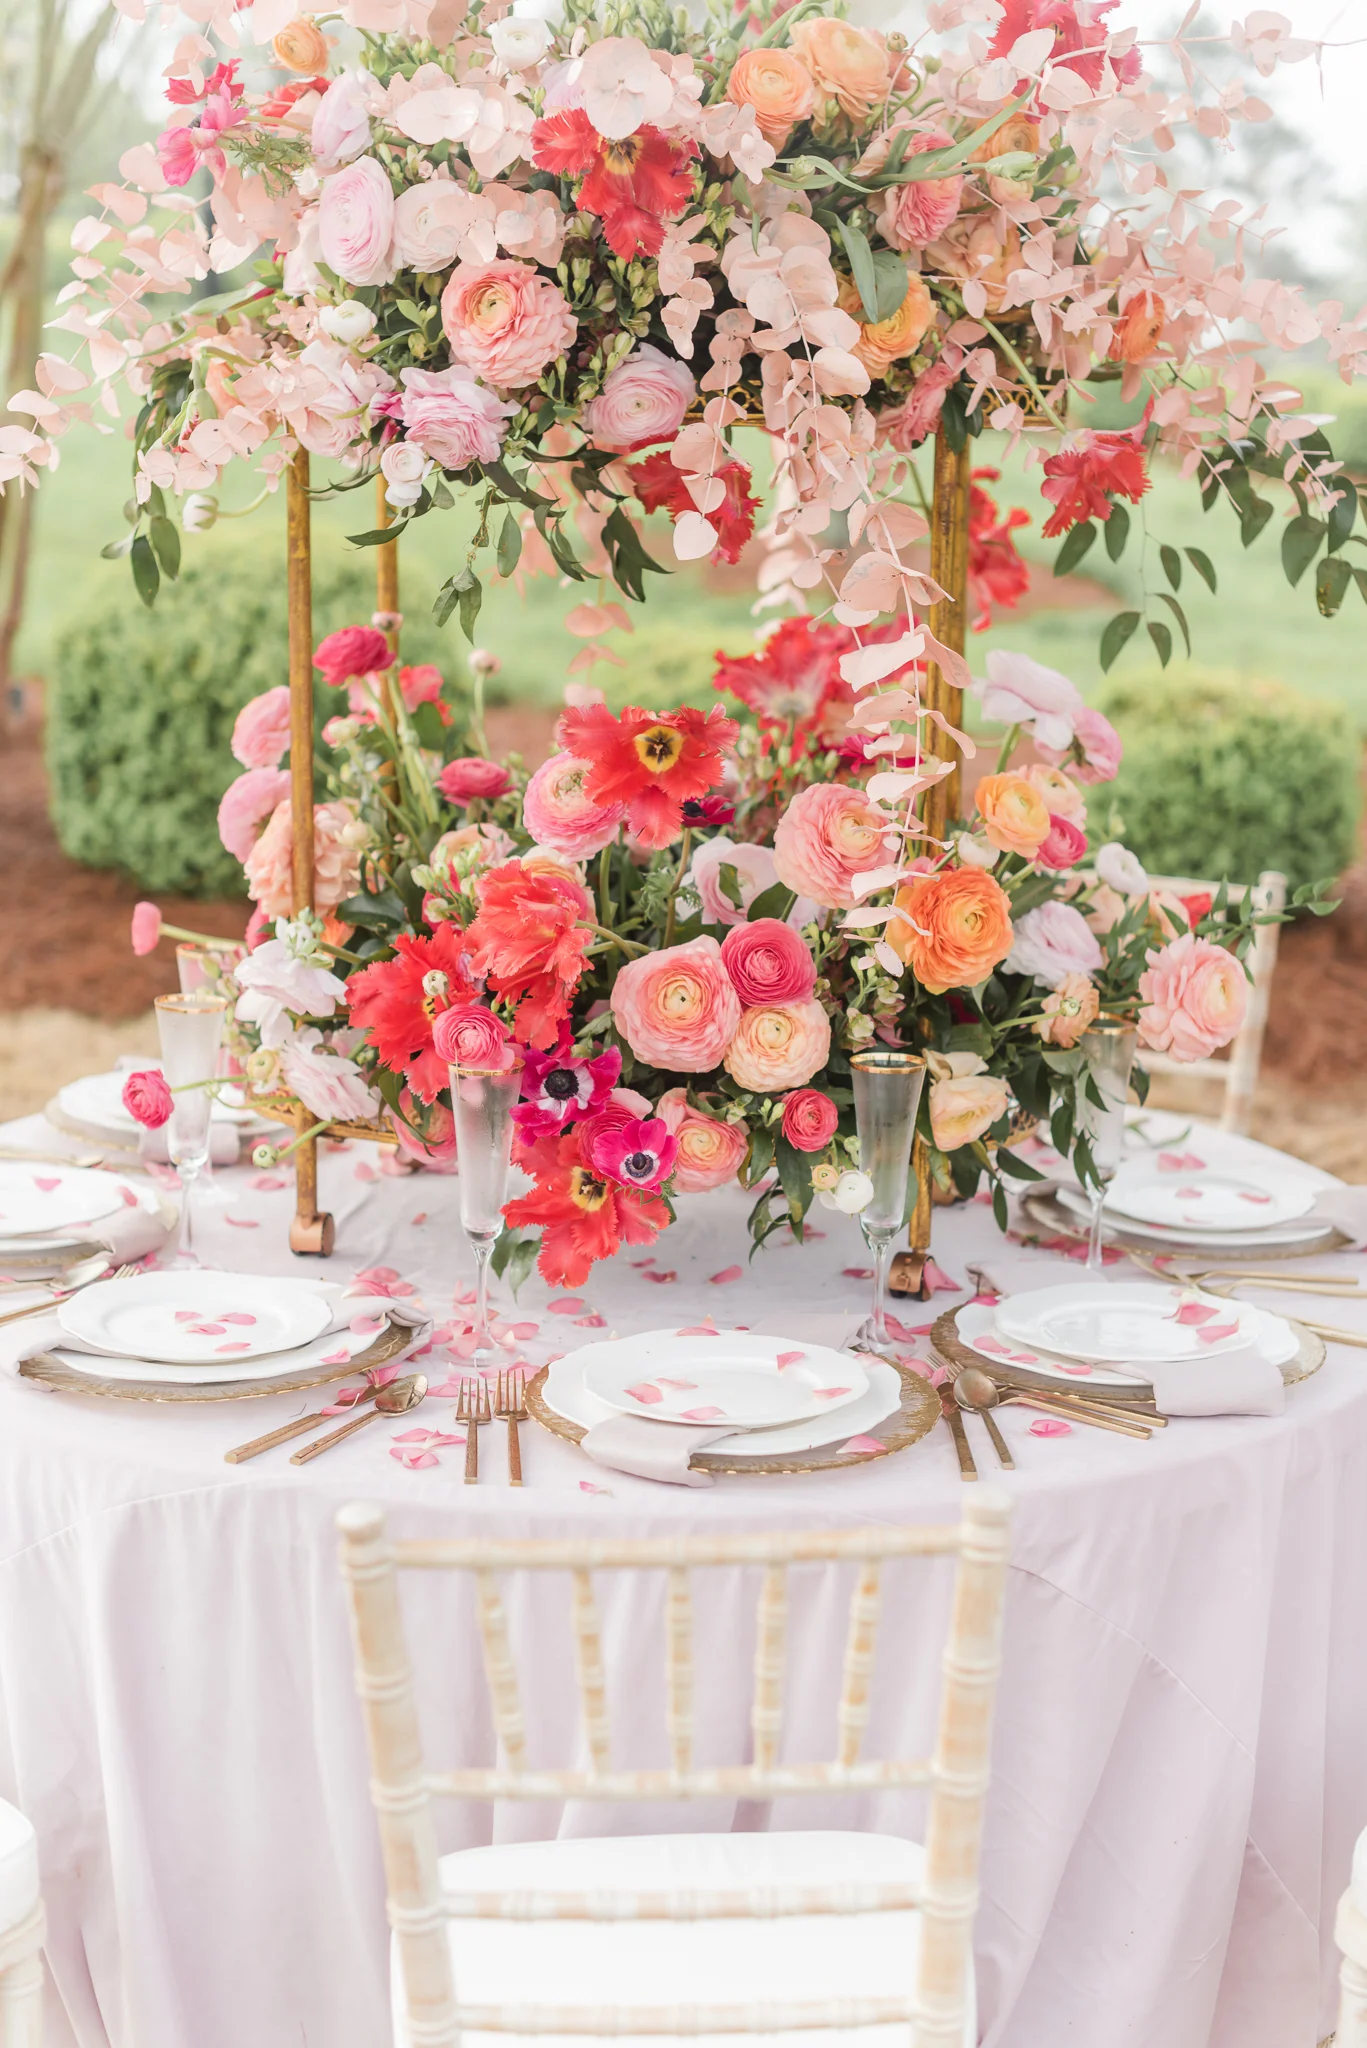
(146, 927)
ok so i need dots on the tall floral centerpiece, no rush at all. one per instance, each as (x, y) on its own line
(566, 269)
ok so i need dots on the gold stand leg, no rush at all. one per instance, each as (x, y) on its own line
(907, 1274)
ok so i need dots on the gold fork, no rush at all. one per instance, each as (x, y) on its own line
(40, 1308)
(472, 1408)
(510, 1405)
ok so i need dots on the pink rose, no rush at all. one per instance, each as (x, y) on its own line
(473, 1038)
(711, 1151)
(356, 223)
(261, 732)
(353, 651)
(643, 400)
(768, 963)
(810, 1120)
(437, 1151)
(452, 418)
(147, 1098)
(677, 1008)
(336, 863)
(913, 215)
(828, 835)
(471, 776)
(505, 321)
(779, 1046)
(557, 813)
(145, 930)
(245, 806)
(1195, 995)
(1065, 845)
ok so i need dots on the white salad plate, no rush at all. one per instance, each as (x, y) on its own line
(565, 1393)
(1308, 1231)
(195, 1318)
(735, 1377)
(98, 1099)
(1098, 1322)
(977, 1327)
(36, 1200)
(1165, 1191)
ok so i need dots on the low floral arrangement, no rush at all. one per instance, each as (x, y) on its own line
(683, 923)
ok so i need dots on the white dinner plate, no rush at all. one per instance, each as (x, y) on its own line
(977, 1328)
(336, 1348)
(195, 1318)
(1308, 1231)
(1146, 1323)
(699, 1375)
(98, 1099)
(36, 1200)
(565, 1393)
(1175, 1188)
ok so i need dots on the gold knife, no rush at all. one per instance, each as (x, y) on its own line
(953, 1415)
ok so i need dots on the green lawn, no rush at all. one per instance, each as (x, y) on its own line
(1256, 623)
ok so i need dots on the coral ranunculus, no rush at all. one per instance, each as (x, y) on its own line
(643, 400)
(1014, 814)
(353, 651)
(913, 215)
(676, 1008)
(336, 861)
(505, 321)
(558, 813)
(777, 85)
(1068, 1010)
(1195, 996)
(711, 1150)
(581, 1215)
(261, 730)
(768, 963)
(953, 927)
(810, 1119)
(829, 835)
(779, 1046)
(469, 1036)
(849, 64)
(882, 343)
(471, 776)
(651, 762)
(147, 1098)
(397, 1003)
(530, 941)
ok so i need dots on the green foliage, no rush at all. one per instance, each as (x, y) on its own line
(1224, 776)
(142, 703)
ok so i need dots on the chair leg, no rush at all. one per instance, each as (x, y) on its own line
(21, 1985)
(1352, 2028)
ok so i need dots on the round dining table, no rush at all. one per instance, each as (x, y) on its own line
(1180, 1751)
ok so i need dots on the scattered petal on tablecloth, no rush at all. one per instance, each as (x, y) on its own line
(861, 1444)
(1050, 1425)
(589, 1323)
(857, 1272)
(587, 1486)
(661, 1279)
(269, 1183)
(385, 1280)
(243, 1222)
(419, 1219)
(1180, 1162)
(937, 1281)
(727, 1273)
(704, 1329)
(636, 1267)
(567, 1305)
(363, 1170)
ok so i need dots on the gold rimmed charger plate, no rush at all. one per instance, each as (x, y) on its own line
(50, 1372)
(955, 1355)
(1043, 1207)
(914, 1417)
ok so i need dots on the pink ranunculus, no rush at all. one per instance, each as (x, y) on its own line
(505, 321)
(643, 400)
(147, 1098)
(1053, 942)
(327, 1082)
(1195, 996)
(711, 1150)
(145, 931)
(768, 962)
(919, 414)
(469, 1036)
(452, 418)
(353, 651)
(336, 862)
(810, 1119)
(913, 215)
(1065, 845)
(676, 1008)
(779, 1046)
(245, 806)
(557, 813)
(261, 731)
(437, 1152)
(828, 835)
(639, 1153)
(471, 776)
(420, 685)
(341, 122)
(356, 223)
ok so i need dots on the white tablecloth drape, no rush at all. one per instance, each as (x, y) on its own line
(1180, 1764)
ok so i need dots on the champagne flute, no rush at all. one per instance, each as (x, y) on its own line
(482, 1103)
(1109, 1047)
(887, 1095)
(190, 1028)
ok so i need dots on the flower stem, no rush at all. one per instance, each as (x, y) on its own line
(627, 945)
(1008, 748)
(1010, 353)
(315, 1131)
(678, 884)
(605, 884)
(177, 931)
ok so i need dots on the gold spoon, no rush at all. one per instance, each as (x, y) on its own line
(965, 1400)
(974, 1389)
(395, 1399)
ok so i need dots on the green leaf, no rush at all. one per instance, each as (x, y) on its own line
(117, 549)
(1255, 519)
(1162, 640)
(1172, 566)
(428, 727)
(375, 912)
(1117, 532)
(1331, 584)
(1175, 608)
(893, 282)
(1120, 630)
(862, 270)
(1074, 547)
(378, 536)
(165, 546)
(761, 1155)
(1360, 578)
(509, 545)
(1343, 512)
(471, 598)
(146, 575)
(444, 602)
(1301, 539)
(729, 878)
(1203, 566)
(1019, 1169)
(775, 901)
(442, 497)
(795, 1178)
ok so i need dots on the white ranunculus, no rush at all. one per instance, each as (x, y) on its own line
(404, 466)
(1120, 870)
(519, 43)
(349, 323)
(851, 1193)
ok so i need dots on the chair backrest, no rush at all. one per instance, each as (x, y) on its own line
(1238, 1074)
(956, 1774)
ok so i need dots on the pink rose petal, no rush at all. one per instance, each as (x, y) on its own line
(420, 1218)
(1217, 1332)
(588, 1323)
(337, 1357)
(365, 1326)
(1244, 1197)
(363, 1170)
(703, 1414)
(981, 1300)
(520, 1332)
(187, 1315)
(207, 1330)
(269, 1183)
(1194, 1312)
(1079, 1371)
(660, 1279)
(237, 1315)
(1190, 1194)
(1050, 1425)
(44, 1184)
(242, 1222)
(683, 1386)
(128, 1198)
(637, 1264)
(1180, 1162)
(829, 1393)
(993, 1345)
(707, 1329)
(937, 1281)
(567, 1305)
(587, 1486)
(413, 1460)
(865, 1445)
(219, 1348)
(789, 1358)
(646, 1392)
(727, 1273)
(857, 1272)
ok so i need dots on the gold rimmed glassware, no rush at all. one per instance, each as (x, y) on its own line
(887, 1095)
(482, 1103)
(190, 1028)
(1109, 1047)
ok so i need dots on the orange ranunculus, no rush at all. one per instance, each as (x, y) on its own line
(971, 248)
(1018, 135)
(301, 46)
(1139, 329)
(1014, 814)
(883, 342)
(779, 88)
(849, 64)
(954, 927)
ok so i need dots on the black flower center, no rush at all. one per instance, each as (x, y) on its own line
(639, 1165)
(561, 1084)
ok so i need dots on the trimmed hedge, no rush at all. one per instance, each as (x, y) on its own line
(1224, 776)
(141, 706)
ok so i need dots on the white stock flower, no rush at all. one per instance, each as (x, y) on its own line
(1120, 870)
(348, 323)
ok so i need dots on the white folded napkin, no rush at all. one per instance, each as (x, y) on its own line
(19, 1341)
(1346, 1209)
(128, 1233)
(1241, 1382)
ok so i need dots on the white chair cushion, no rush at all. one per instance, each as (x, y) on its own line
(18, 1868)
(662, 1962)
